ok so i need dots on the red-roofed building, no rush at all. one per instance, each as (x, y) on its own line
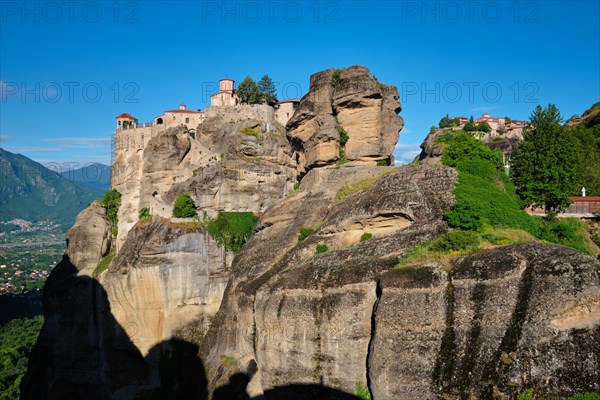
(126, 121)
(181, 116)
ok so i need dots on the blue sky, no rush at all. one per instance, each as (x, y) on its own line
(67, 69)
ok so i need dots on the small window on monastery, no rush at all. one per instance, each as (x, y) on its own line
(187, 120)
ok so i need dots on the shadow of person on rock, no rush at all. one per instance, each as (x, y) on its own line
(177, 371)
(238, 383)
(82, 352)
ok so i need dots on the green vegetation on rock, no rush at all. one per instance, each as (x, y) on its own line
(485, 197)
(145, 215)
(585, 396)
(231, 229)
(105, 262)
(362, 392)
(366, 236)
(304, 233)
(112, 202)
(546, 166)
(321, 248)
(335, 78)
(184, 207)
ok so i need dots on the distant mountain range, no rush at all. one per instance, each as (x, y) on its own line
(97, 175)
(30, 191)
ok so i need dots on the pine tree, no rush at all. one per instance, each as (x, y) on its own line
(248, 91)
(545, 168)
(267, 89)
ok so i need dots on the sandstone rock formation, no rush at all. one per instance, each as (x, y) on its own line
(82, 352)
(502, 321)
(294, 315)
(307, 318)
(89, 239)
(350, 98)
(164, 277)
(237, 159)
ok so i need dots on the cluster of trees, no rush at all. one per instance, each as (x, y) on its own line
(554, 161)
(250, 92)
(447, 122)
(17, 338)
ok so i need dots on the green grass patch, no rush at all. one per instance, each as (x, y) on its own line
(231, 229)
(228, 361)
(459, 242)
(102, 265)
(585, 396)
(362, 392)
(321, 248)
(357, 186)
(528, 395)
(486, 198)
(305, 232)
(250, 131)
(343, 158)
(366, 236)
(145, 215)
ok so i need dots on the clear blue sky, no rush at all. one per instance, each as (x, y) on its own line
(67, 70)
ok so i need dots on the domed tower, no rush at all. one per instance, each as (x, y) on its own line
(126, 121)
(226, 95)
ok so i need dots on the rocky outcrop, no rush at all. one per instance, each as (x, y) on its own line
(315, 304)
(352, 99)
(297, 314)
(81, 352)
(89, 239)
(501, 322)
(249, 166)
(165, 276)
(237, 160)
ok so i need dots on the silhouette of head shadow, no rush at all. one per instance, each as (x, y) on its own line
(83, 353)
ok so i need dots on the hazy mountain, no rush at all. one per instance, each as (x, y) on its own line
(97, 175)
(30, 191)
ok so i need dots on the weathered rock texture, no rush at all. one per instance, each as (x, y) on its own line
(307, 318)
(82, 352)
(279, 317)
(89, 239)
(503, 321)
(355, 101)
(164, 277)
(237, 159)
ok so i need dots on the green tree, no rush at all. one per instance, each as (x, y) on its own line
(248, 91)
(267, 89)
(545, 168)
(589, 159)
(112, 202)
(483, 126)
(445, 122)
(184, 207)
(469, 127)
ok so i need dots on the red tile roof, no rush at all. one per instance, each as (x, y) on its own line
(125, 115)
(578, 199)
(184, 111)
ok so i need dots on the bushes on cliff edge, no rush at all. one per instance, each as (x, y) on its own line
(231, 229)
(112, 202)
(184, 207)
(485, 197)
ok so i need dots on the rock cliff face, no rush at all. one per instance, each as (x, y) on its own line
(351, 99)
(291, 315)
